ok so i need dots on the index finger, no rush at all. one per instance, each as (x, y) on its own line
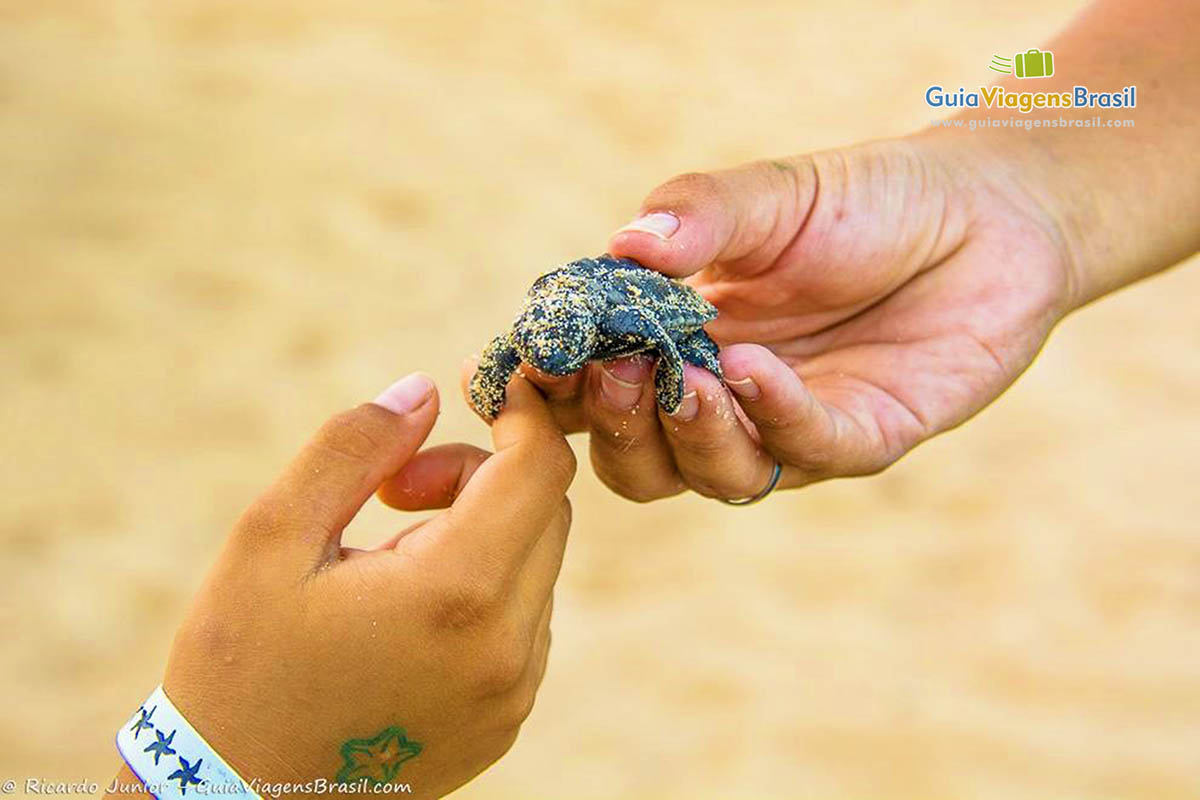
(513, 496)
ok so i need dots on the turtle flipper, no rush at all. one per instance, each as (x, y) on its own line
(497, 364)
(637, 326)
(668, 378)
(699, 349)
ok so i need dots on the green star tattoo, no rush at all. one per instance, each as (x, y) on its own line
(377, 759)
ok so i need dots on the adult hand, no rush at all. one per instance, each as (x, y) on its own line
(424, 653)
(869, 297)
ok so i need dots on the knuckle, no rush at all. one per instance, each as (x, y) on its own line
(349, 435)
(503, 671)
(791, 170)
(520, 705)
(465, 606)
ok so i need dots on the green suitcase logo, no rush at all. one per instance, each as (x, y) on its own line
(1034, 63)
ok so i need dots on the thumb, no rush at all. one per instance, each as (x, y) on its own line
(740, 218)
(322, 490)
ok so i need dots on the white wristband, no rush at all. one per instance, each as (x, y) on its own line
(172, 759)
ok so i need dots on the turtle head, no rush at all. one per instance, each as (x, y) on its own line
(556, 332)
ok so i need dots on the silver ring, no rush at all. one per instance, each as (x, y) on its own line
(770, 487)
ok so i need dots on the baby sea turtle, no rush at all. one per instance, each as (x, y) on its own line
(595, 309)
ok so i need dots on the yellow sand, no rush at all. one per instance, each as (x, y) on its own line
(222, 221)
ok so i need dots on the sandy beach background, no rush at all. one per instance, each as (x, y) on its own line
(222, 221)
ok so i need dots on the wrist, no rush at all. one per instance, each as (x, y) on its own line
(1004, 181)
(166, 753)
(1121, 188)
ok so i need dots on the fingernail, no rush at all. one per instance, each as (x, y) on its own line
(407, 394)
(621, 384)
(688, 408)
(662, 224)
(746, 387)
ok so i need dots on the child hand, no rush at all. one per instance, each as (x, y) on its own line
(298, 652)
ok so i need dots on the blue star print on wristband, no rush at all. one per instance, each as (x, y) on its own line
(173, 760)
(143, 721)
(162, 747)
(186, 774)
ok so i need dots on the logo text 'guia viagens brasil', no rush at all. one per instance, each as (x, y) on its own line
(1029, 65)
